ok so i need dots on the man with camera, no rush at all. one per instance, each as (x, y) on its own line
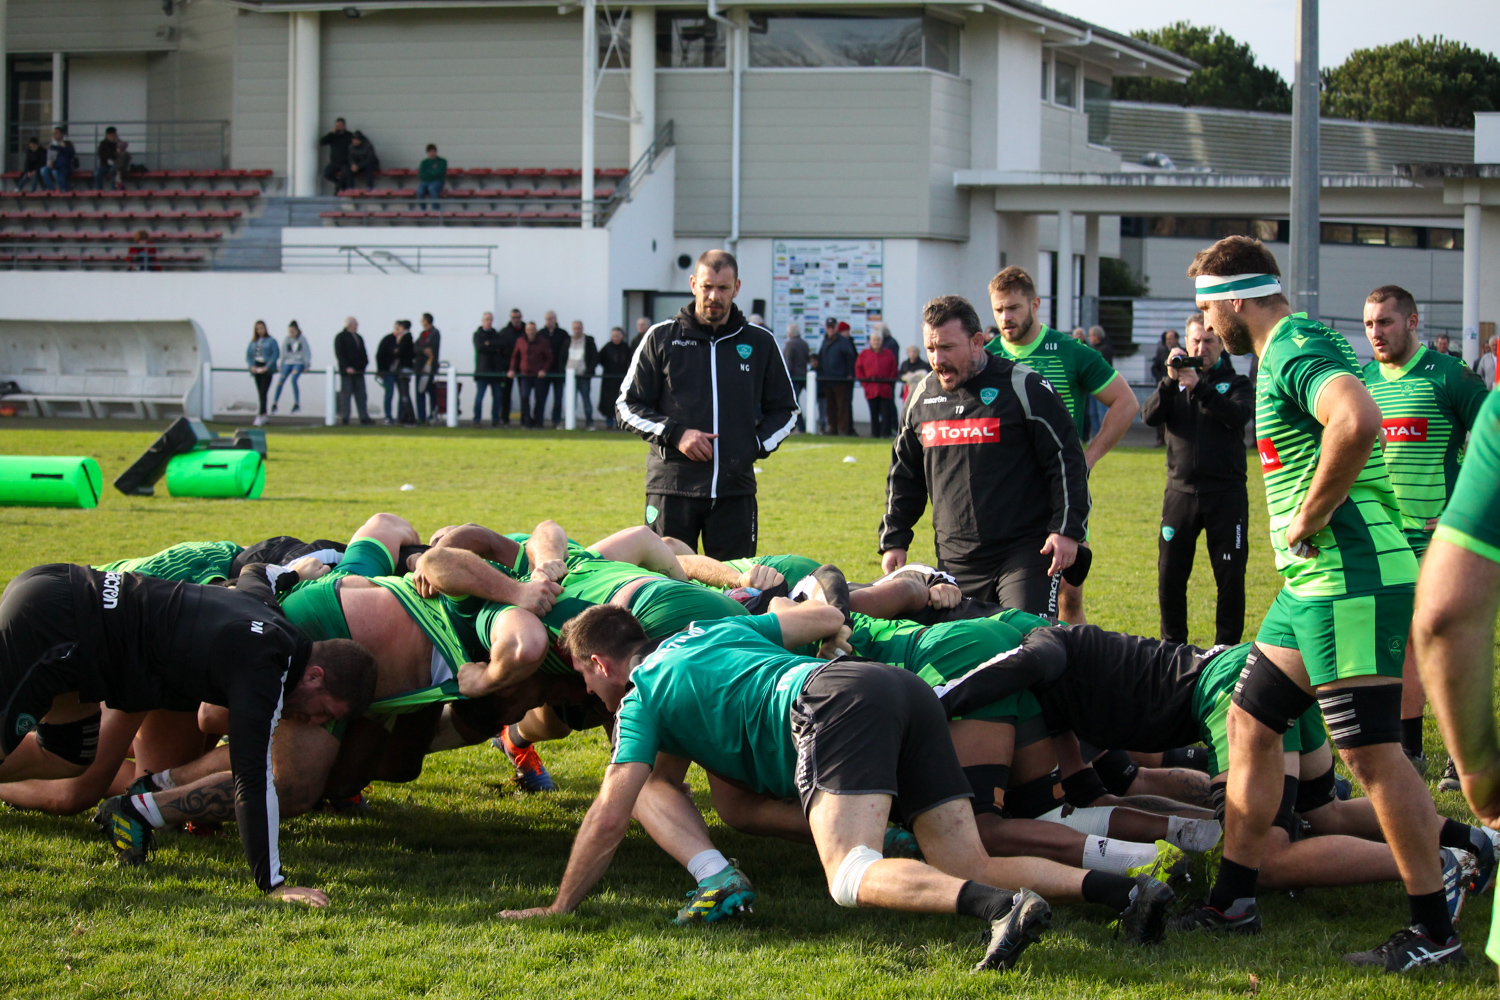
(1204, 406)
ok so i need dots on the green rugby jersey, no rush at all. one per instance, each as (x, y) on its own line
(1427, 407)
(793, 568)
(192, 562)
(1363, 548)
(1073, 369)
(1472, 520)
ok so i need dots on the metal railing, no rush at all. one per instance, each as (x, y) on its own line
(103, 256)
(154, 145)
(626, 187)
(350, 258)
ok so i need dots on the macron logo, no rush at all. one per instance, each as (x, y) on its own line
(976, 430)
(259, 628)
(934, 399)
(111, 592)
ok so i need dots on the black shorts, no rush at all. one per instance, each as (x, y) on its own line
(38, 635)
(727, 525)
(865, 728)
(1015, 578)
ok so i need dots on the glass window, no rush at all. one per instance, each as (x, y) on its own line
(1401, 236)
(1065, 84)
(940, 42)
(1371, 235)
(795, 40)
(1445, 239)
(1335, 232)
(619, 33)
(1231, 227)
(1265, 230)
(1096, 106)
(688, 41)
(1163, 225)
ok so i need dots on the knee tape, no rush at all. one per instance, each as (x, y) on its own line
(1284, 817)
(1084, 788)
(1271, 697)
(75, 742)
(1315, 793)
(988, 782)
(1093, 820)
(845, 887)
(1117, 770)
(1362, 716)
(1033, 798)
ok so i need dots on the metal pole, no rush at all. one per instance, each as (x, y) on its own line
(207, 399)
(306, 73)
(1472, 218)
(329, 382)
(811, 399)
(570, 400)
(59, 88)
(1062, 310)
(642, 80)
(1306, 227)
(590, 58)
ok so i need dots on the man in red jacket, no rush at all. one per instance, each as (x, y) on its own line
(530, 362)
(876, 370)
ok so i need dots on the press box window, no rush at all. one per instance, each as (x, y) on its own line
(807, 41)
(689, 41)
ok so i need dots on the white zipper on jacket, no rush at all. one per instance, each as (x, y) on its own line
(713, 381)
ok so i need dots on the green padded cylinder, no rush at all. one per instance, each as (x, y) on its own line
(49, 481)
(217, 473)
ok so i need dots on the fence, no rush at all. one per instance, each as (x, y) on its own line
(387, 259)
(154, 145)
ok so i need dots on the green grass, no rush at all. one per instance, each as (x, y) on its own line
(415, 883)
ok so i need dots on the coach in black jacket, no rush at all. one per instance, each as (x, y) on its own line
(711, 393)
(1204, 412)
(993, 445)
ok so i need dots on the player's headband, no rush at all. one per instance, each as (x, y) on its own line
(1213, 287)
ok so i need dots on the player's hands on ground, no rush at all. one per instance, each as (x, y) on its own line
(893, 560)
(538, 597)
(299, 894)
(535, 911)
(308, 568)
(1063, 551)
(1300, 530)
(943, 596)
(836, 644)
(552, 569)
(697, 445)
(761, 577)
(1482, 790)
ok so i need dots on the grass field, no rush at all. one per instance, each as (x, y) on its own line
(415, 882)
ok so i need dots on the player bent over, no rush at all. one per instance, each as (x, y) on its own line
(849, 738)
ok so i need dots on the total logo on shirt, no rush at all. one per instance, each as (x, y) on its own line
(1270, 461)
(1404, 429)
(975, 430)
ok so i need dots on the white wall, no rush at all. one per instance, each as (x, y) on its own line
(107, 88)
(226, 306)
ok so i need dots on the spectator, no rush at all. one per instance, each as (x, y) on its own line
(337, 142)
(363, 163)
(60, 158)
(1164, 350)
(105, 157)
(756, 319)
(427, 357)
(142, 255)
(1440, 344)
(582, 359)
(260, 357)
(529, 364)
(557, 339)
(1080, 334)
(31, 170)
(888, 343)
(509, 334)
(295, 357)
(395, 360)
(122, 162)
(488, 343)
(836, 360)
(912, 370)
(353, 359)
(795, 353)
(876, 369)
(1099, 341)
(1486, 366)
(642, 324)
(614, 363)
(432, 174)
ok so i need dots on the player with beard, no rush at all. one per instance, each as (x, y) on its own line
(1074, 370)
(1428, 404)
(1337, 630)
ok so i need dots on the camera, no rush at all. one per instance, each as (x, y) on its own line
(1183, 361)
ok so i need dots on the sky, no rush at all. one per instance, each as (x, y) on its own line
(1268, 26)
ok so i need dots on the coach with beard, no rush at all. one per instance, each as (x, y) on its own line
(995, 448)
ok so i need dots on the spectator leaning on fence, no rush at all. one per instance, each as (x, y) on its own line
(796, 354)
(349, 351)
(261, 355)
(614, 362)
(432, 174)
(876, 370)
(295, 357)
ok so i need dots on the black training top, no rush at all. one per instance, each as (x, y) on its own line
(1205, 428)
(144, 643)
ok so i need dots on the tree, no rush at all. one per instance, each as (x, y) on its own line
(1228, 76)
(1421, 81)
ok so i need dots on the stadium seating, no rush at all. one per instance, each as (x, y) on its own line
(534, 196)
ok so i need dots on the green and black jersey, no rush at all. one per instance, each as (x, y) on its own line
(190, 562)
(1074, 369)
(1427, 407)
(1363, 548)
(1472, 520)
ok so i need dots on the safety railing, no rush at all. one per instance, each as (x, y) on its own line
(351, 258)
(154, 145)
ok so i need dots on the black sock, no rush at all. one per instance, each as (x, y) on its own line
(1235, 882)
(514, 735)
(1108, 889)
(1431, 911)
(1193, 758)
(1411, 736)
(1456, 834)
(975, 899)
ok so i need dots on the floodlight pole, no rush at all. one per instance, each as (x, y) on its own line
(1306, 228)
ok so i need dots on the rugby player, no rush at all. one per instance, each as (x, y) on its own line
(73, 638)
(1428, 403)
(1454, 626)
(1337, 630)
(1074, 370)
(850, 738)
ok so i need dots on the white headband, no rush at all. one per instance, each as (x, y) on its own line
(1214, 287)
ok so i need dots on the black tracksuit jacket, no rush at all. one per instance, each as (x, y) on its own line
(1205, 428)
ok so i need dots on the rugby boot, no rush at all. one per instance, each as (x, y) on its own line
(132, 839)
(1410, 948)
(531, 773)
(1013, 933)
(722, 895)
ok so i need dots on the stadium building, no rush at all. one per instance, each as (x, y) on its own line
(859, 158)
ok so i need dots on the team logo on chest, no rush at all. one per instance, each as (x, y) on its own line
(744, 350)
(987, 396)
(975, 430)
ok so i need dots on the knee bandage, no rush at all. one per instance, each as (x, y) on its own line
(1284, 809)
(1093, 820)
(1083, 788)
(1032, 798)
(1270, 697)
(988, 782)
(75, 742)
(1362, 716)
(845, 886)
(1315, 793)
(1117, 770)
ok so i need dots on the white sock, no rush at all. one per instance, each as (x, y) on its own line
(706, 863)
(1101, 854)
(146, 806)
(163, 780)
(1195, 835)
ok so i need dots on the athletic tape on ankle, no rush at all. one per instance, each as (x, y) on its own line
(845, 886)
